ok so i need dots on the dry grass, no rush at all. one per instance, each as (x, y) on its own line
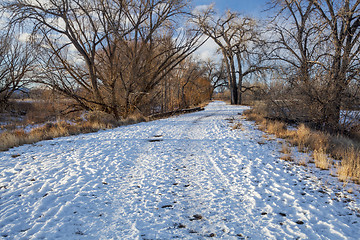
(269, 137)
(325, 147)
(237, 125)
(302, 162)
(277, 128)
(287, 158)
(349, 169)
(321, 159)
(14, 138)
(285, 149)
(302, 134)
(252, 116)
(46, 112)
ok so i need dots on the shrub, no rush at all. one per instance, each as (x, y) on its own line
(99, 117)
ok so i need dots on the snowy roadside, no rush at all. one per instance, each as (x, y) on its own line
(187, 177)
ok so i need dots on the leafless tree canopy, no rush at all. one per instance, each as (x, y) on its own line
(106, 55)
(216, 73)
(128, 56)
(316, 45)
(16, 61)
(238, 39)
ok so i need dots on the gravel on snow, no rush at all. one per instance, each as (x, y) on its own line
(186, 177)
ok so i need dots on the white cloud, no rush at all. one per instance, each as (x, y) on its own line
(208, 51)
(24, 37)
(202, 8)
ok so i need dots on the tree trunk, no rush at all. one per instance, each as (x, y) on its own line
(333, 106)
(240, 73)
(332, 115)
(233, 85)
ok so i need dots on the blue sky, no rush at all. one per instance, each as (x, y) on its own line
(247, 7)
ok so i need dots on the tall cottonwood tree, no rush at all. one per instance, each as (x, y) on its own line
(238, 39)
(297, 43)
(106, 55)
(342, 22)
(318, 44)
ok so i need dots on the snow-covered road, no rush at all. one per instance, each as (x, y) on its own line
(187, 177)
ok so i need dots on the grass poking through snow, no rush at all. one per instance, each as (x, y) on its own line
(324, 147)
(14, 138)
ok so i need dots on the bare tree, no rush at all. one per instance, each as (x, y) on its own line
(318, 44)
(298, 43)
(16, 62)
(237, 38)
(217, 75)
(107, 55)
(342, 21)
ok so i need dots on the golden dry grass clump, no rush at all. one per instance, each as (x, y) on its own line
(349, 168)
(321, 159)
(285, 149)
(237, 125)
(95, 122)
(325, 147)
(253, 116)
(277, 128)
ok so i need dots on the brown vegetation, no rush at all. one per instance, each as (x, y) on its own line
(237, 125)
(324, 146)
(317, 52)
(45, 124)
(94, 121)
(239, 40)
(103, 64)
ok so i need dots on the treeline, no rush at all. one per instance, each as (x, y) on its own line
(119, 57)
(317, 43)
(127, 56)
(307, 55)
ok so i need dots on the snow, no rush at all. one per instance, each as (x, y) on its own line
(186, 177)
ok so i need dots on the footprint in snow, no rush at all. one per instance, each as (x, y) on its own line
(179, 225)
(167, 206)
(196, 217)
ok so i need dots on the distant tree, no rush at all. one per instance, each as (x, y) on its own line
(216, 73)
(239, 42)
(16, 62)
(190, 86)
